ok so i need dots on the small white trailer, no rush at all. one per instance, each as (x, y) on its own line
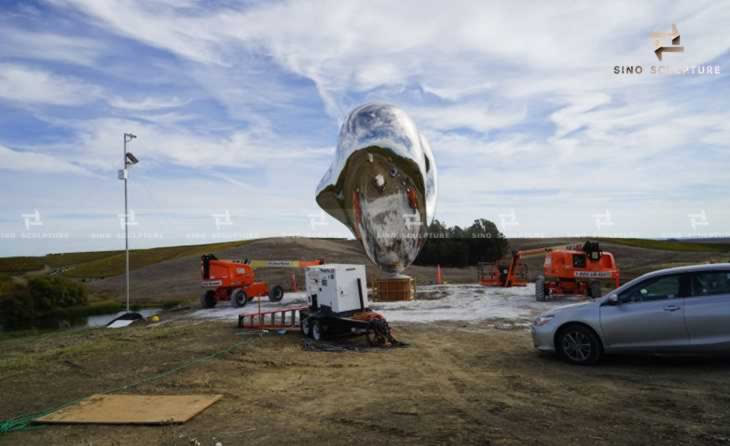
(338, 305)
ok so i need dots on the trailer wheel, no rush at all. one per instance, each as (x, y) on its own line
(276, 294)
(316, 330)
(238, 298)
(304, 325)
(595, 290)
(208, 300)
(540, 289)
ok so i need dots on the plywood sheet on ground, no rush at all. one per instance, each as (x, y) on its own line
(132, 409)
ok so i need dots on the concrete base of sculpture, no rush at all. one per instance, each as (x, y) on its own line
(395, 289)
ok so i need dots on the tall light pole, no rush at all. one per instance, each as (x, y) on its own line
(128, 160)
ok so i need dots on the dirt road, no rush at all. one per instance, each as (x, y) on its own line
(457, 383)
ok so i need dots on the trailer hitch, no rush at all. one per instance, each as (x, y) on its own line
(378, 334)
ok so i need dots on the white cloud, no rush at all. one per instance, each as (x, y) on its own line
(36, 162)
(33, 86)
(148, 103)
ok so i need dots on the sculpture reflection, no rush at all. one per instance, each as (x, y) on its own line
(382, 184)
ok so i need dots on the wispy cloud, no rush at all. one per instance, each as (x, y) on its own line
(36, 162)
(148, 103)
(23, 44)
(27, 85)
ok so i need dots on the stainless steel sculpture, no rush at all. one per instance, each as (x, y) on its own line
(382, 185)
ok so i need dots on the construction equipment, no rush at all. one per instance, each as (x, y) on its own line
(338, 305)
(235, 280)
(568, 270)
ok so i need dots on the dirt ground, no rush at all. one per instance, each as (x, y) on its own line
(456, 383)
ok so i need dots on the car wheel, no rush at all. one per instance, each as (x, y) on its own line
(238, 298)
(578, 344)
(276, 294)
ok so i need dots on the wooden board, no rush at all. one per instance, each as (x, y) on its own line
(132, 409)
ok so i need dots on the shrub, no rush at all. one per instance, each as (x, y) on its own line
(21, 305)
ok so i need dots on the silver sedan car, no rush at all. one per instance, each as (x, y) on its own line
(683, 310)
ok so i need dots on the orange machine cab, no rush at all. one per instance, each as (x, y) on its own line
(573, 271)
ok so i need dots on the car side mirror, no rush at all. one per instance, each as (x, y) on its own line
(613, 299)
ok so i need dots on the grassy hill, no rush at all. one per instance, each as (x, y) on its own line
(100, 264)
(172, 273)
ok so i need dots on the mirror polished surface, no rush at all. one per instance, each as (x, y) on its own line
(382, 184)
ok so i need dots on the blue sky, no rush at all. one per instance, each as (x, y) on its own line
(237, 106)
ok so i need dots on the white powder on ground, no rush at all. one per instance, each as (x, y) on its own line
(433, 303)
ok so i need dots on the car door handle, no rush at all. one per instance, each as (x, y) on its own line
(671, 308)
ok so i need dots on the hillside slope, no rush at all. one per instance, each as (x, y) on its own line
(173, 273)
(179, 278)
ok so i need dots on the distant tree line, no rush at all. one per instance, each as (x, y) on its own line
(459, 247)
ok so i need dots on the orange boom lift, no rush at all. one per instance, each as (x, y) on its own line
(568, 270)
(235, 280)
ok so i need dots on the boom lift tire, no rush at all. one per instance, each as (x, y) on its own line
(208, 300)
(276, 294)
(540, 289)
(238, 298)
(595, 290)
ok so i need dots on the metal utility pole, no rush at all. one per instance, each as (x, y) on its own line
(128, 160)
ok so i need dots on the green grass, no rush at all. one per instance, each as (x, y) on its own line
(5, 278)
(113, 263)
(98, 264)
(75, 258)
(669, 245)
(20, 265)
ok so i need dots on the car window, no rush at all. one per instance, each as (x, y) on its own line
(660, 288)
(711, 283)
